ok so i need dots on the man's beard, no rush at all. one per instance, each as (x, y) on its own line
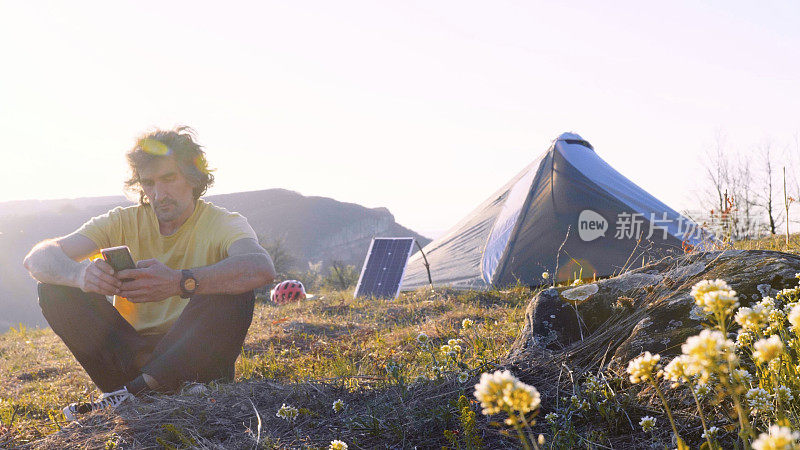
(169, 214)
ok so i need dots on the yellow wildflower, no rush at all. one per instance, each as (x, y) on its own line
(642, 368)
(503, 391)
(337, 445)
(794, 318)
(707, 352)
(777, 438)
(768, 349)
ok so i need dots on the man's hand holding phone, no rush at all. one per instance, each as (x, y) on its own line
(151, 281)
(146, 281)
(99, 277)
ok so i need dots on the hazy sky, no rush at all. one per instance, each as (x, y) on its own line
(425, 107)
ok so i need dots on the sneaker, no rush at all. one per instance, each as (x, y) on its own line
(107, 400)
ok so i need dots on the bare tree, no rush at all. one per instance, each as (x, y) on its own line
(744, 197)
(727, 194)
(793, 190)
(729, 197)
(767, 186)
(717, 167)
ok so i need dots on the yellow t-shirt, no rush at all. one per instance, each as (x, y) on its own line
(204, 239)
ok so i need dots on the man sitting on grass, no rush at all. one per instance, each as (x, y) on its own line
(183, 312)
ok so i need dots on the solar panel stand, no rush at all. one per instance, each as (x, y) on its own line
(425, 260)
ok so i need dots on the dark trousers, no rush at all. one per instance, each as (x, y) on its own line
(202, 345)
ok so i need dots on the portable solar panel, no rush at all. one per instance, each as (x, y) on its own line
(384, 267)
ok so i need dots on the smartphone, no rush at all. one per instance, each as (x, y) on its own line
(119, 258)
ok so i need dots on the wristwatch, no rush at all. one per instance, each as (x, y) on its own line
(188, 283)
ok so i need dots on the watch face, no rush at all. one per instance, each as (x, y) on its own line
(190, 284)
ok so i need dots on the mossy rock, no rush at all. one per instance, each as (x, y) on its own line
(647, 309)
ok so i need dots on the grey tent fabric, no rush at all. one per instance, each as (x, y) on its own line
(568, 213)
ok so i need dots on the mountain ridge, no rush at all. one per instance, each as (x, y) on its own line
(314, 229)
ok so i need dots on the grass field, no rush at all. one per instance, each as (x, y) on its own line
(373, 374)
(363, 350)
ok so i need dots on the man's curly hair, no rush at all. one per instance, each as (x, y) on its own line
(179, 143)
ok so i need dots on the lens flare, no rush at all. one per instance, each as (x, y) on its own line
(575, 268)
(154, 147)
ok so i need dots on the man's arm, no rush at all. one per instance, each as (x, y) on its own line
(247, 267)
(56, 261)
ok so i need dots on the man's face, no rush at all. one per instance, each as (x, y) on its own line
(167, 190)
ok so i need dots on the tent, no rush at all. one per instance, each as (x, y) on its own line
(568, 213)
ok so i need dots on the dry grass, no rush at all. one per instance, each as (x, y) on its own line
(306, 354)
(335, 347)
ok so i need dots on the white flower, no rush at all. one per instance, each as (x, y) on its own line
(545, 275)
(759, 401)
(338, 405)
(788, 293)
(551, 417)
(647, 423)
(677, 369)
(445, 348)
(503, 391)
(742, 377)
(777, 438)
(744, 338)
(784, 395)
(466, 324)
(776, 320)
(579, 404)
(454, 342)
(767, 304)
(642, 368)
(712, 433)
(423, 339)
(593, 385)
(794, 317)
(463, 377)
(768, 349)
(708, 351)
(719, 301)
(702, 287)
(715, 297)
(287, 412)
(337, 445)
(751, 319)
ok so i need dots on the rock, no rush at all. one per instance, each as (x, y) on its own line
(195, 389)
(647, 309)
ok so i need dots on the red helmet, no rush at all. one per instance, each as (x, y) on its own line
(288, 291)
